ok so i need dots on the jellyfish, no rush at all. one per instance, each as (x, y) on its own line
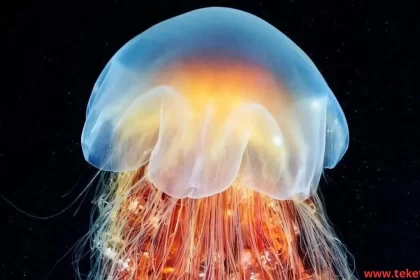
(212, 130)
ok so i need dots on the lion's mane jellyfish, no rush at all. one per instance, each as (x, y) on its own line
(214, 129)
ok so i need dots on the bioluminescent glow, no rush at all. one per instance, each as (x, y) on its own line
(215, 128)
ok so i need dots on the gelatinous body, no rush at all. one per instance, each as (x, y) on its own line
(210, 97)
(216, 128)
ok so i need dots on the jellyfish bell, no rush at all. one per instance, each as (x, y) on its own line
(210, 97)
(217, 128)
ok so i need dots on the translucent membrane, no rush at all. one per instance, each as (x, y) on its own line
(210, 97)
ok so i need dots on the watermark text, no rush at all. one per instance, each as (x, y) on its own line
(392, 274)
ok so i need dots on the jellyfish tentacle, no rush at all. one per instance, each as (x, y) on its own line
(216, 128)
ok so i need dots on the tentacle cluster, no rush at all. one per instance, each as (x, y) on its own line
(142, 233)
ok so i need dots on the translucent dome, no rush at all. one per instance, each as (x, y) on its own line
(213, 96)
